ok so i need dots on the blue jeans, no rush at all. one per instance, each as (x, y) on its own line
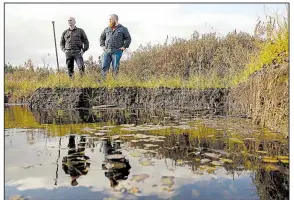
(113, 58)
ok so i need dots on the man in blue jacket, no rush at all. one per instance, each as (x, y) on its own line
(114, 40)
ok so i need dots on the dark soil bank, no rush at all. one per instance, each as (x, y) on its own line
(151, 98)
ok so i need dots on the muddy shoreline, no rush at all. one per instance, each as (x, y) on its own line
(264, 98)
(139, 98)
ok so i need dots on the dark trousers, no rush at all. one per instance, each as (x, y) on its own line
(72, 56)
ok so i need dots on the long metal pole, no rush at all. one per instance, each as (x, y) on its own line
(53, 23)
(56, 178)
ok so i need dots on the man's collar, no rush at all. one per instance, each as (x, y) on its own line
(119, 25)
(72, 29)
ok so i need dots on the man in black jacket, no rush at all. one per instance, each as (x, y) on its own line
(74, 43)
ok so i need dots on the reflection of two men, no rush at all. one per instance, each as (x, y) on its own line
(115, 163)
(76, 162)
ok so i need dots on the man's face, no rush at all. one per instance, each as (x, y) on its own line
(71, 21)
(112, 21)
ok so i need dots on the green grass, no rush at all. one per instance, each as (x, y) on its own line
(22, 85)
(226, 64)
(275, 48)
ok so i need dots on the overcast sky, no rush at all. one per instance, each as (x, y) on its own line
(29, 34)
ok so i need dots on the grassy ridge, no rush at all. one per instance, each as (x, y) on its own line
(204, 61)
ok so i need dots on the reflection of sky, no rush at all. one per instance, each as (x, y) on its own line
(38, 181)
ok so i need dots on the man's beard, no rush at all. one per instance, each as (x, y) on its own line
(112, 24)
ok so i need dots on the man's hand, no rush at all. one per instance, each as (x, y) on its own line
(122, 48)
(82, 52)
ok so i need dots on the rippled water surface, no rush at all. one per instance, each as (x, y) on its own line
(133, 154)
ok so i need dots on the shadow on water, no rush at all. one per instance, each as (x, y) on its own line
(133, 154)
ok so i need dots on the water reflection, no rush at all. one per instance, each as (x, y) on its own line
(166, 157)
(76, 162)
(272, 185)
(116, 164)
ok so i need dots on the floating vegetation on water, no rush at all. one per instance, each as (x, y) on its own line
(99, 134)
(168, 189)
(134, 141)
(156, 140)
(194, 153)
(142, 136)
(128, 135)
(146, 163)
(225, 160)
(179, 162)
(212, 155)
(88, 129)
(136, 154)
(222, 152)
(167, 180)
(128, 125)
(150, 145)
(91, 137)
(108, 127)
(204, 161)
(143, 140)
(216, 163)
(105, 131)
(207, 168)
(140, 177)
(134, 190)
(17, 197)
(128, 129)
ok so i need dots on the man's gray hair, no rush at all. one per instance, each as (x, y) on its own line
(114, 16)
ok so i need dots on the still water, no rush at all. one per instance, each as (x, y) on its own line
(133, 154)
